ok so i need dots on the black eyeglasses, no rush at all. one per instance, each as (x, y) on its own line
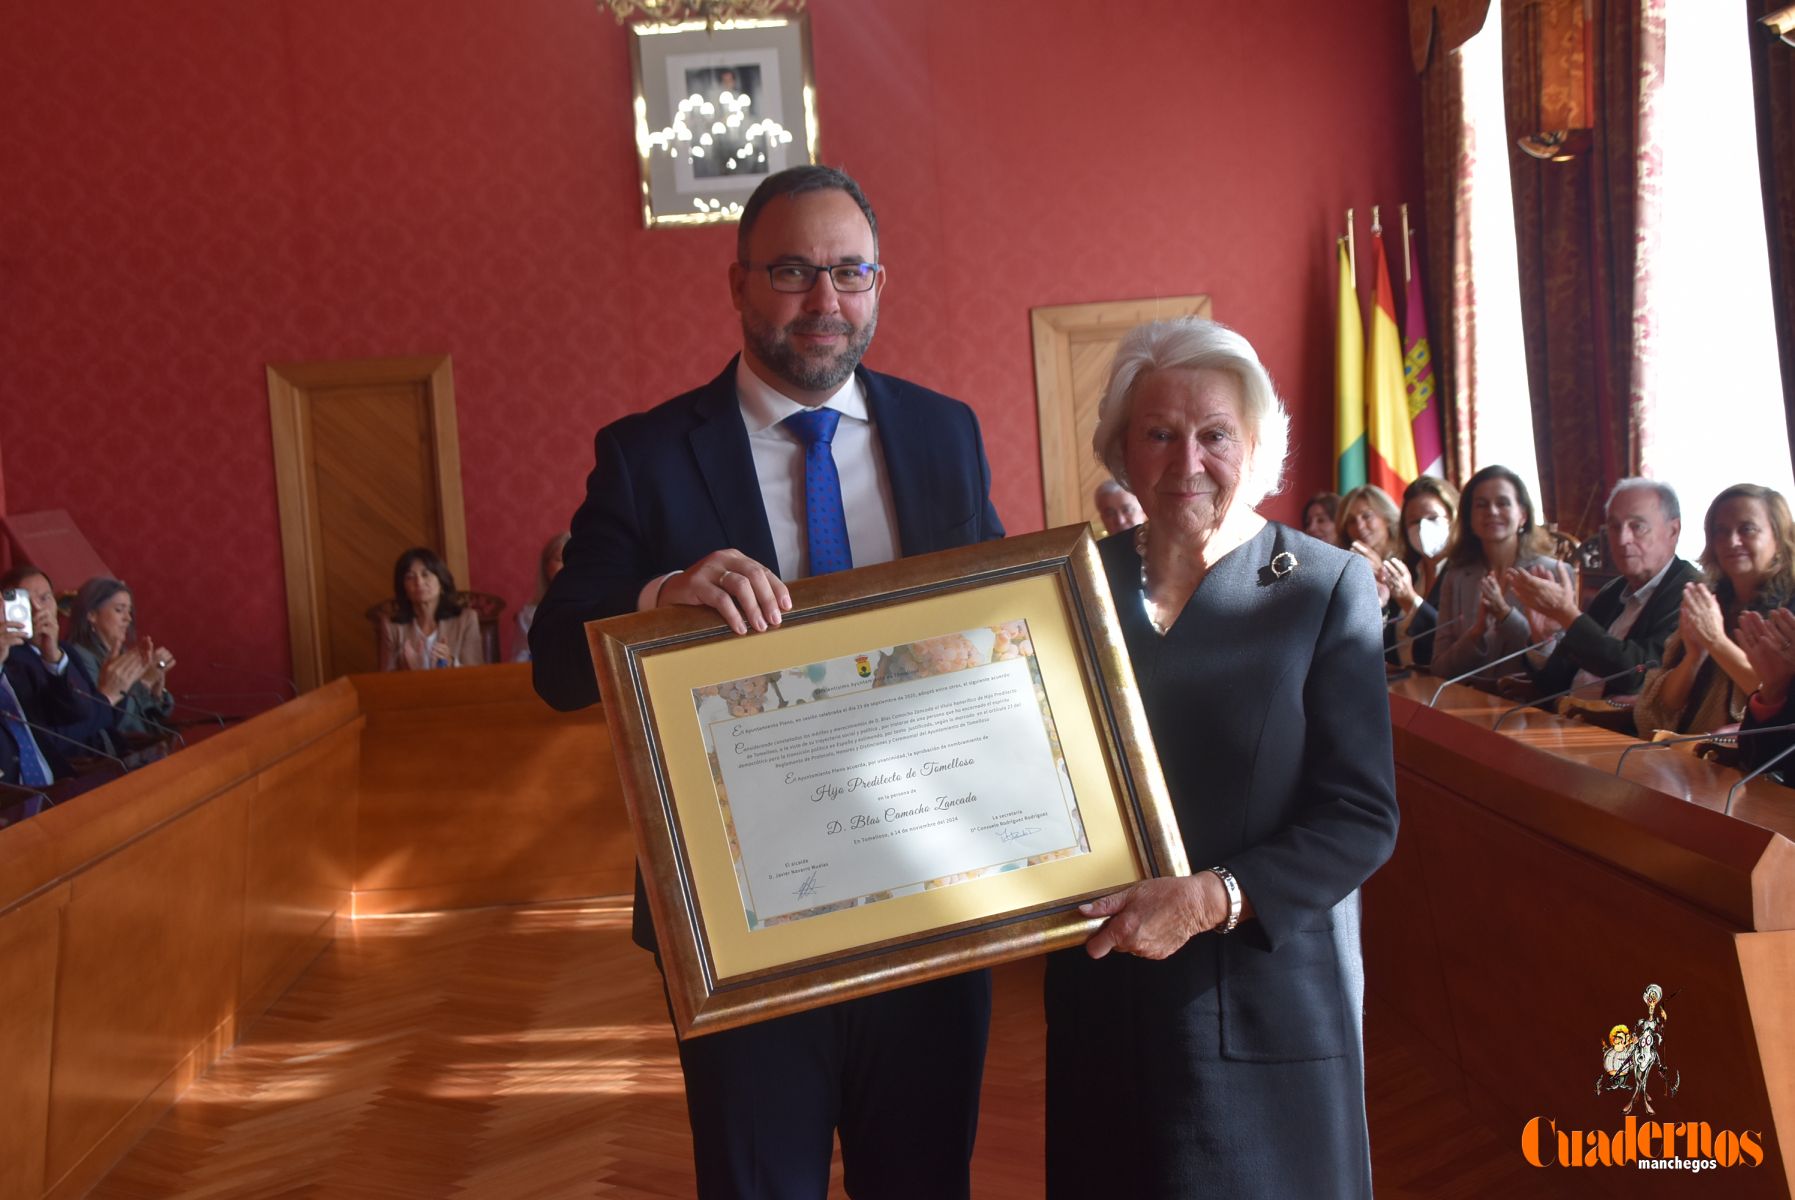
(801, 276)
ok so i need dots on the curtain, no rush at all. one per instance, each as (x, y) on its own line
(1773, 78)
(1438, 28)
(1585, 300)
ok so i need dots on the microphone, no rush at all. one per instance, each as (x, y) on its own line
(270, 676)
(51, 733)
(1701, 737)
(170, 730)
(1641, 669)
(28, 793)
(1401, 642)
(34, 803)
(277, 697)
(1496, 662)
(204, 712)
(1780, 755)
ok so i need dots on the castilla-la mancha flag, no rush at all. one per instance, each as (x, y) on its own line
(1418, 375)
(1349, 382)
(1391, 462)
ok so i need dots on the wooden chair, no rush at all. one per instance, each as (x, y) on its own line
(486, 605)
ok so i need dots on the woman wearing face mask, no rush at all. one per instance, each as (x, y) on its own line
(1428, 507)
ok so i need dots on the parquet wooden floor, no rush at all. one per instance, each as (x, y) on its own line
(524, 1054)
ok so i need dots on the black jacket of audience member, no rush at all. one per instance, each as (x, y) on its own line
(1754, 752)
(1587, 646)
(68, 704)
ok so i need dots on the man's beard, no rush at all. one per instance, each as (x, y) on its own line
(816, 372)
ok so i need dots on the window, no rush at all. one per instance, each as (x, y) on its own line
(1716, 396)
(1502, 413)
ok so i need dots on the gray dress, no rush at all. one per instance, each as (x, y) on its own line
(1234, 1067)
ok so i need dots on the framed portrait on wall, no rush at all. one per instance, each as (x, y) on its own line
(717, 111)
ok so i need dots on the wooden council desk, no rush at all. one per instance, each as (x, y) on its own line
(1533, 896)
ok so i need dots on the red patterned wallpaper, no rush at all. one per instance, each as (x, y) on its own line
(196, 188)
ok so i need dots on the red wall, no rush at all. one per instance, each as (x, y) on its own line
(194, 188)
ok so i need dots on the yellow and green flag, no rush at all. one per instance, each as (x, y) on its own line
(1349, 383)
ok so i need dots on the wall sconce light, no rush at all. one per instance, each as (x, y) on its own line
(1558, 79)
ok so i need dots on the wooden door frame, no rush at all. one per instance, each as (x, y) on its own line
(1055, 328)
(291, 387)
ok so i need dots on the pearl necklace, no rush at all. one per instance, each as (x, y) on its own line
(1140, 548)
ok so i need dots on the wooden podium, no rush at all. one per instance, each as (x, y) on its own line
(1533, 896)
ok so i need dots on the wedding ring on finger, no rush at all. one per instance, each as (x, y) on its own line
(725, 575)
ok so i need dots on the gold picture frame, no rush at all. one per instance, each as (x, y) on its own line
(718, 108)
(949, 631)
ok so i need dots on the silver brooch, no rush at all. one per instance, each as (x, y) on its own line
(1283, 564)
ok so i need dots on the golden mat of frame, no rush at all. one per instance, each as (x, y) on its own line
(721, 973)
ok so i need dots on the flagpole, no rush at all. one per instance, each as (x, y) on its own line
(1406, 274)
(1352, 254)
(1377, 224)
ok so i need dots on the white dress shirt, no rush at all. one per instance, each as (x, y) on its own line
(1631, 605)
(779, 468)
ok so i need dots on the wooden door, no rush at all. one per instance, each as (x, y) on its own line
(367, 463)
(1074, 345)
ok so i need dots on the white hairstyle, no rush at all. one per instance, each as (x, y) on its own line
(1189, 343)
(1667, 495)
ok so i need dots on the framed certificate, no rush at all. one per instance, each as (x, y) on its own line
(925, 769)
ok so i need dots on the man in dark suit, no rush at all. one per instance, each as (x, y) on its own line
(794, 461)
(1632, 617)
(51, 692)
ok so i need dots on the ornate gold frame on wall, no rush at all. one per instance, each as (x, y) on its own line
(668, 198)
(722, 970)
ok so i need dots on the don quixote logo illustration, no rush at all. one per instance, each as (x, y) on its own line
(1637, 1073)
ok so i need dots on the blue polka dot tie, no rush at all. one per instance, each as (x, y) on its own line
(828, 525)
(34, 771)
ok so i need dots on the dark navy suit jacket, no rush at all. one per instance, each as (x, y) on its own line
(67, 703)
(677, 482)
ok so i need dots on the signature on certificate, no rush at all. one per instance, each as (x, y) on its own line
(1013, 835)
(808, 888)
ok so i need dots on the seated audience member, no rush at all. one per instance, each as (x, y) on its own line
(547, 567)
(51, 693)
(1632, 617)
(1318, 517)
(1749, 557)
(102, 630)
(1428, 507)
(1368, 523)
(430, 628)
(1482, 620)
(1769, 644)
(1117, 507)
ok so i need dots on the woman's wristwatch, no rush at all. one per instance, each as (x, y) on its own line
(1233, 889)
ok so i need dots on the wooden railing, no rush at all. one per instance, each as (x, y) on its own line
(144, 923)
(1531, 898)
(1534, 895)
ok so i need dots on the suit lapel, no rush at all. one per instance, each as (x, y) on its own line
(719, 441)
(909, 463)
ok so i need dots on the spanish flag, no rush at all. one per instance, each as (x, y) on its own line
(1392, 436)
(1349, 382)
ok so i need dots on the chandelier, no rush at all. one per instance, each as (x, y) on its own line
(711, 12)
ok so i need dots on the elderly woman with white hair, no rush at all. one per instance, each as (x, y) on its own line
(1204, 1042)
